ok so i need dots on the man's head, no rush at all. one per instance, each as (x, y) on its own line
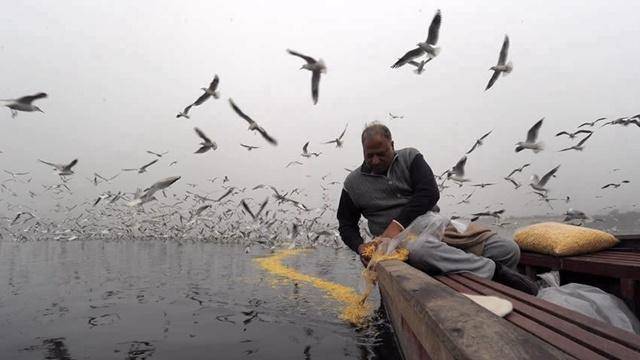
(377, 148)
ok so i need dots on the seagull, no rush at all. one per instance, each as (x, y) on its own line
(338, 141)
(531, 143)
(591, 124)
(517, 170)
(396, 116)
(539, 184)
(63, 169)
(513, 181)
(206, 143)
(147, 195)
(293, 163)
(419, 65)
(615, 185)
(428, 47)
(483, 185)
(143, 168)
(24, 103)
(479, 142)
(31, 216)
(573, 134)
(306, 153)
(579, 146)
(572, 214)
(249, 147)
(501, 67)
(157, 154)
(496, 214)
(466, 199)
(457, 172)
(316, 67)
(623, 121)
(185, 113)
(252, 124)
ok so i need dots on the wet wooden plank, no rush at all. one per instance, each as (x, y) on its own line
(448, 325)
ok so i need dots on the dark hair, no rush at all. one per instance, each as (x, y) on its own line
(376, 128)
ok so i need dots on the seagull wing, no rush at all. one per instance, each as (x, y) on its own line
(585, 139)
(306, 58)
(30, 98)
(532, 134)
(71, 164)
(494, 78)
(410, 55)
(586, 124)
(563, 133)
(266, 136)
(315, 85)
(343, 131)
(583, 132)
(485, 135)
(202, 135)
(240, 113)
(247, 209)
(202, 99)
(214, 83)
(149, 164)
(459, 168)
(548, 176)
(304, 148)
(504, 51)
(48, 163)
(434, 29)
(475, 144)
(264, 203)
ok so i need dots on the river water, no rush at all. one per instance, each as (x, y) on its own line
(151, 299)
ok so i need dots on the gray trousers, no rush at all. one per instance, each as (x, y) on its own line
(436, 257)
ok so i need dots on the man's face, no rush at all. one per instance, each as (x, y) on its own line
(378, 153)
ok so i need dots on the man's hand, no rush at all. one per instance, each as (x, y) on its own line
(364, 250)
(392, 230)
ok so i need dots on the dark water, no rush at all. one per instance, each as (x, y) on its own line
(139, 299)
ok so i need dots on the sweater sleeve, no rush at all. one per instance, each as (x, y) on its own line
(348, 218)
(425, 192)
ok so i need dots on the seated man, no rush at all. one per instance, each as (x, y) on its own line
(391, 188)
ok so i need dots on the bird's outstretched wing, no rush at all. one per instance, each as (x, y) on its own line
(149, 164)
(504, 51)
(48, 163)
(315, 85)
(343, 132)
(202, 135)
(240, 113)
(247, 209)
(434, 29)
(532, 134)
(410, 55)
(306, 58)
(492, 80)
(30, 98)
(548, 176)
(266, 136)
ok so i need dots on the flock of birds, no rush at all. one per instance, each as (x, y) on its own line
(235, 215)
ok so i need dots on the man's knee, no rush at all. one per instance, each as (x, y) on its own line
(504, 251)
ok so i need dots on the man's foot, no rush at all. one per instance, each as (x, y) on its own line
(513, 279)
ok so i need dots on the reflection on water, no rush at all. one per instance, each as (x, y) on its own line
(165, 300)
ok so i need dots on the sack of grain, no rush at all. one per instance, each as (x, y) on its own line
(562, 239)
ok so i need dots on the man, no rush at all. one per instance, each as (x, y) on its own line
(392, 188)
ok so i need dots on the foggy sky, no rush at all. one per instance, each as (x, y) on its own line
(118, 72)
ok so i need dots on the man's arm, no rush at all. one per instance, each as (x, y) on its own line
(348, 218)
(425, 192)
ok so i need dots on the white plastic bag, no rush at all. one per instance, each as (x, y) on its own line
(429, 224)
(590, 301)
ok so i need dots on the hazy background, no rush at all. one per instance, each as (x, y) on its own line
(118, 72)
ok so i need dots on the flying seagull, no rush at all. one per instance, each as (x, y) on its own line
(338, 141)
(457, 172)
(483, 185)
(496, 214)
(501, 67)
(252, 124)
(293, 163)
(147, 195)
(396, 116)
(479, 142)
(615, 185)
(143, 168)
(24, 103)
(539, 184)
(206, 143)
(428, 47)
(249, 147)
(513, 181)
(572, 214)
(208, 92)
(531, 143)
(316, 67)
(157, 154)
(62, 169)
(574, 134)
(306, 153)
(580, 145)
(518, 169)
(591, 124)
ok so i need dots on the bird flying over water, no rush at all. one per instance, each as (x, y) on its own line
(479, 142)
(24, 103)
(574, 134)
(591, 124)
(306, 153)
(143, 168)
(580, 145)
(518, 169)
(539, 184)
(457, 172)
(157, 154)
(147, 196)
(206, 143)
(338, 140)
(252, 124)
(615, 185)
(428, 47)
(316, 67)
(208, 92)
(62, 169)
(501, 67)
(249, 147)
(531, 143)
